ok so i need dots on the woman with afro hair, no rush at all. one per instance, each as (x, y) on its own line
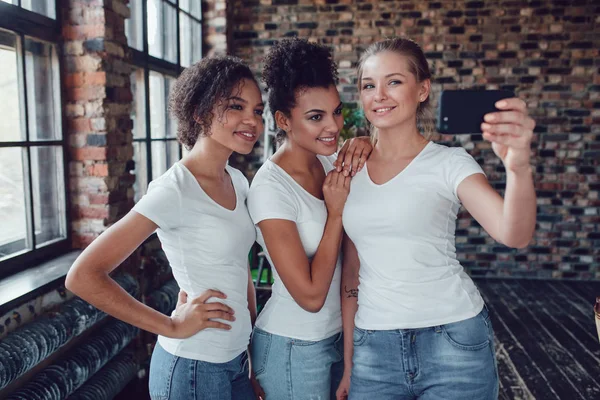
(296, 201)
(198, 210)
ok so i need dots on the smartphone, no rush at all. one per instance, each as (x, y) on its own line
(462, 111)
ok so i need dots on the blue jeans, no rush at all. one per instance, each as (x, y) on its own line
(296, 369)
(449, 362)
(179, 378)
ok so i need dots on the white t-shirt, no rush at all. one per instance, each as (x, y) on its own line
(207, 247)
(404, 233)
(276, 195)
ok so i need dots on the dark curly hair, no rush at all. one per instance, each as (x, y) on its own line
(295, 64)
(198, 89)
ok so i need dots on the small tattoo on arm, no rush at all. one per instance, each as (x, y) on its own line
(350, 292)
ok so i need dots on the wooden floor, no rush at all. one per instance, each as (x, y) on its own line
(546, 341)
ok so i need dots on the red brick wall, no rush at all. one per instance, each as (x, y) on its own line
(545, 50)
(97, 107)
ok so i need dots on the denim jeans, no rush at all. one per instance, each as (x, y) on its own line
(449, 362)
(296, 369)
(178, 378)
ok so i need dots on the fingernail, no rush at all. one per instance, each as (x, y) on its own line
(501, 104)
(485, 126)
(345, 173)
(489, 117)
(353, 173)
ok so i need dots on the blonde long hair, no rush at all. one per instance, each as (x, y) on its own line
(418, 67)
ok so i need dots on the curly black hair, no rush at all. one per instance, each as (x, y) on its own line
(294, 64)
(198, 89)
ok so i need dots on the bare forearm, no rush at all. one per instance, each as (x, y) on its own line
(349, 308)
(323, 264)
(104, 293)
(251, 298)
(519, 213)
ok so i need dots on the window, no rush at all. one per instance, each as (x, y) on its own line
(32, 147)
(164, 36)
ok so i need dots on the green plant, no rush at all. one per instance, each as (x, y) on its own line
(354, 120)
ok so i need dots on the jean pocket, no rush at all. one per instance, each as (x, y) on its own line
(260, 347)
(471, 334)
(359, 336)
(162, 366)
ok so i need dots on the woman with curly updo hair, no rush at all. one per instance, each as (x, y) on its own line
(198, 210)
(296, 201)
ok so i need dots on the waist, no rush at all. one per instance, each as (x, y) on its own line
(284, 317)
(406, 305)
(211, 344)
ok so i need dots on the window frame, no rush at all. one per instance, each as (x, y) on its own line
(28, 24)
(144, 61)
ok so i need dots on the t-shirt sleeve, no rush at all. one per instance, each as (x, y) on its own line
(460, 166)
(161, 205)
(270, 201)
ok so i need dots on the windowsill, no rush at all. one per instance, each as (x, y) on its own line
(23, 286)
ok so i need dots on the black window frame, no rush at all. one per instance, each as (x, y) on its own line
(143, 60)
(28, 24)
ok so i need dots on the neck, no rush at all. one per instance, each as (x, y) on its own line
(399, 141)
(208, 158)
(297, 158)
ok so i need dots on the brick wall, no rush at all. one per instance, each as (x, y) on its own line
(214, 18)
(546, 50)
(97, 108)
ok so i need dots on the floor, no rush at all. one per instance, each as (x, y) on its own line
(547, 345)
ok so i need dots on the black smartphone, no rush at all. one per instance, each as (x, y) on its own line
(462, 111)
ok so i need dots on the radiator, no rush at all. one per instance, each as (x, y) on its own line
(24, 348)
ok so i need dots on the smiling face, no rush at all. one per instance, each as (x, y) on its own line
(389, 91)
(315, 121)
(237, 120)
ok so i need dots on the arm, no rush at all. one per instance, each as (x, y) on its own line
(511, 220)
(251, 297)
(308, 281)
(89, 279)
(349, 293)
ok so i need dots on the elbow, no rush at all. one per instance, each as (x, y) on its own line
(71, 281)
(518, 242)
(312, 304)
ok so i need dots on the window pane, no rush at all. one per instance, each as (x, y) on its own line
(192, 6)
(44, 7)
(48, 194)
(134, 25)
(155, 28)
(138, 113)
(141, 170)
(157, 105)
(10, 112)
(43, 91)
(172, 152)
(159, 158)
(171, 122)
(190, 38)
(196, 42)
(13, 200)
(170, 33)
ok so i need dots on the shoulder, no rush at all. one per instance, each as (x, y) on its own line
(269, 174)
(237, 177)
(173, 179)
(328, 161)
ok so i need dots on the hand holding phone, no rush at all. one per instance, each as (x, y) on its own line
(462, 111)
